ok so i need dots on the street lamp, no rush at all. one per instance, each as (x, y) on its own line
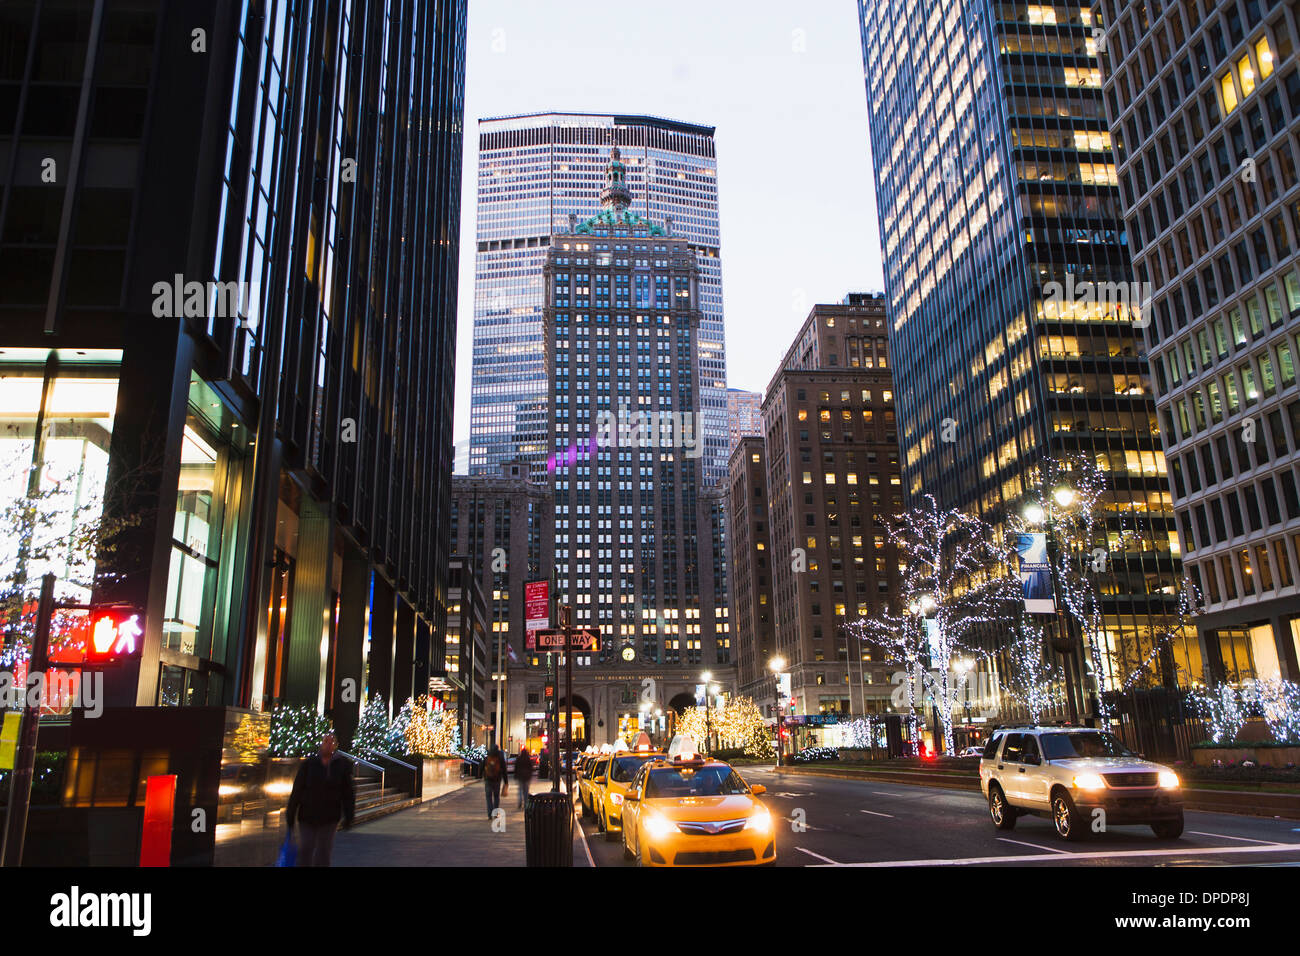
(1035, 514)
(708, 708)
(778, 667)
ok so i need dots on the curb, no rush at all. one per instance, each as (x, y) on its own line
(1242, 802)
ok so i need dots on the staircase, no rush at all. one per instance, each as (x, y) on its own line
(373, 799)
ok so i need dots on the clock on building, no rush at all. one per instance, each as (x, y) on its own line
(629, 654)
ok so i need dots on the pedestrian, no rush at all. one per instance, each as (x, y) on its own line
(523, 773)
(544, 764)
(494, 777)
(322, 795)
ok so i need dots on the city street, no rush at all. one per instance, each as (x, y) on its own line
(869, 823)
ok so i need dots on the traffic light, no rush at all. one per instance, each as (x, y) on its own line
(114, 634)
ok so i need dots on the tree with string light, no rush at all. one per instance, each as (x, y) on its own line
(955, 584)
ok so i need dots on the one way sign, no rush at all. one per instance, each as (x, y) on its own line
(554, 641)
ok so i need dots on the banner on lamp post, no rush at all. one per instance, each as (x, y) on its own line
(1035, 573)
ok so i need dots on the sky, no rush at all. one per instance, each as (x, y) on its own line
(782, 82)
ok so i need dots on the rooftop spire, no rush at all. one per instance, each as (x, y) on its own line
(615, 195)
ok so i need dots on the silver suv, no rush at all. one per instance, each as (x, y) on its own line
(1070, 774)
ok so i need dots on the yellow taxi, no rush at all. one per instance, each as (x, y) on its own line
(688, 810)
(610, 782)
(586, 782)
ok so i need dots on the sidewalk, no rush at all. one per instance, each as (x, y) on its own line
(453, 830)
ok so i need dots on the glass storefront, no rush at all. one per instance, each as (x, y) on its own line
(205, 531)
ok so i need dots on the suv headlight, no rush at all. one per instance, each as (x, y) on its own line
(760, 821)
(659, 827)
(1089, 781)
(1169, 780)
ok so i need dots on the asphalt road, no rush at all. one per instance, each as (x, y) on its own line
(837, 822)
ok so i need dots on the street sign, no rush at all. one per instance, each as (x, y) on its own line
(550, 640)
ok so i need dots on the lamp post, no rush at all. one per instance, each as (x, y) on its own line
(1036, 514)
(708, 708)
(777, 664)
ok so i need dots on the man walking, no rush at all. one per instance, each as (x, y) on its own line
(523, 774)
(322, 795)
(494, 778)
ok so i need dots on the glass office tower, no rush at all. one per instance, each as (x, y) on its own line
(534, 171)
(995, 181)
(1204, 99)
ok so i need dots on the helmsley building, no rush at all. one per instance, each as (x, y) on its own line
(638, 536)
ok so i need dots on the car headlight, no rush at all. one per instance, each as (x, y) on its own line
(1169, 780)
(659, 827)
(616, 799)
(1089, 781)
(760, 821)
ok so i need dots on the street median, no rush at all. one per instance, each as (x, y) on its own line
(1248, 802)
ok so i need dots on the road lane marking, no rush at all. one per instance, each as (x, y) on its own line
(1049, 849)
(818, 855)
(1099, 855)
(586, 849)
(1225, 836)
(875, 814)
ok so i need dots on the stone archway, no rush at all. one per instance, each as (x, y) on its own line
(583, 720)
(682, 702)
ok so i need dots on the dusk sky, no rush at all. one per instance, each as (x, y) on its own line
(781, 81)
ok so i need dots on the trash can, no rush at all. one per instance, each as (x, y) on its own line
(548, 829)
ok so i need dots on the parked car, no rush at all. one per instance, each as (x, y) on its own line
(972, 752)
(1078, 777)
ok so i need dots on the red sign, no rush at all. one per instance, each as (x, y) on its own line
(537, 605)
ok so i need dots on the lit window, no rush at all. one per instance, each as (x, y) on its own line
(1265, 57)
(1229, 93)
(1246, 75)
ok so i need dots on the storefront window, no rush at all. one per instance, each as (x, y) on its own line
(204, 533)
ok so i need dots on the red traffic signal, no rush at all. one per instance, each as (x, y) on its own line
(114, 634)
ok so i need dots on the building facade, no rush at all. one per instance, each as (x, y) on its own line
(749, 559)
(228, 311)
(637, 543)
(1000, 219)
(1203, 100)
(833, 480)
(534, 172)
(465, 678)
(506, 528)
(744, 417)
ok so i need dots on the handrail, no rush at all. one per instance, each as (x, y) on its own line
(356, 759)
(400, 763)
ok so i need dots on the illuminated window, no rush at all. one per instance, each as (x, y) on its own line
(1265, 57)
(1229, 93)
(1246, 75)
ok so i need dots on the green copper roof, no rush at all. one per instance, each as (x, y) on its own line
(611, 219)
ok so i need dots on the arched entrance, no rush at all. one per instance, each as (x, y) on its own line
(682, 702)
(582, 721)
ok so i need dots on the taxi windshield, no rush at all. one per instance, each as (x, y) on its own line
(689, 782)
(1082, 744)
(625, 768)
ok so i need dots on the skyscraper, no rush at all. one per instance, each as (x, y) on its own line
(998, 211)
(636, 549)
(534, 171)
(231, 307)
(1205, 134)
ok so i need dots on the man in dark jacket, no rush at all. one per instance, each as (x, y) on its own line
(523, 773)
(322, 795)
(544, 764)
(494, 777)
